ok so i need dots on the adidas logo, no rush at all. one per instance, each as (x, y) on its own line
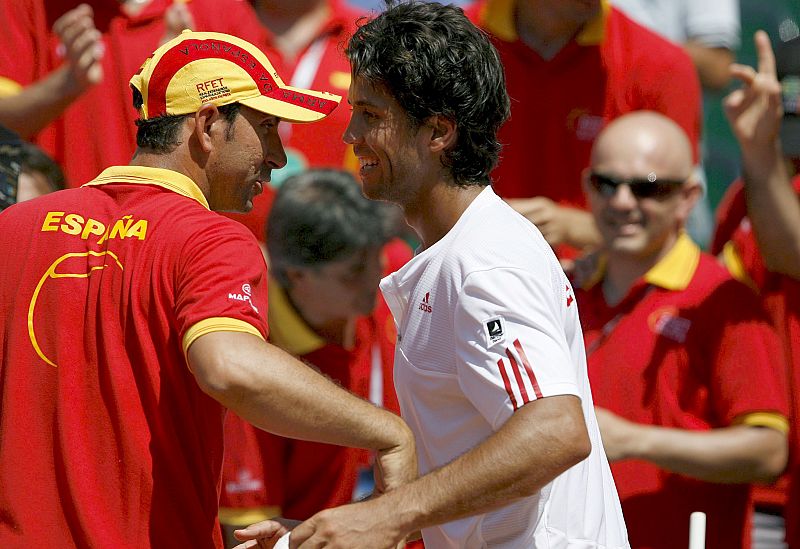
(425, 304)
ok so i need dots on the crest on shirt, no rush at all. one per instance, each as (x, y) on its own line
(495, 330)
(667, 323)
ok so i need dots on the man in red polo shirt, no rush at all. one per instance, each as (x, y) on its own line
(571, 67)
(325, 242)
(135, 315)
(758, 231)
(65, 72)
(681, 357)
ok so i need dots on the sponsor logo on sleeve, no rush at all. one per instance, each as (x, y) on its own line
(244, 296)
(494, 329)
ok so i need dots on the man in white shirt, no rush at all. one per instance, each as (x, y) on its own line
(490, 368)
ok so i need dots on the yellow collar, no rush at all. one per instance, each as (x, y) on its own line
(287, 329)
(673, 272)
(497, 17)
(173, 181)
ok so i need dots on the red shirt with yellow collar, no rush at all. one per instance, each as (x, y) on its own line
(559, 105)
(687, 348)
(106, 438)
(735, 242)
(97, 130)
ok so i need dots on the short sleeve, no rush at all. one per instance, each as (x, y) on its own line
(222, 283)
(747, 374)
(24, 57)
(714, 23)
(511, 344)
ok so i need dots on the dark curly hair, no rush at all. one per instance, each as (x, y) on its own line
(434, 61)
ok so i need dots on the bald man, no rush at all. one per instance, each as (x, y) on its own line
(681, 358)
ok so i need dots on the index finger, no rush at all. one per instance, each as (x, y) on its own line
(766, 57)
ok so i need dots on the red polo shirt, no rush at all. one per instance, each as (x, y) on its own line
(97, 130)
(558, 106)
(105, 437)
(688, 348)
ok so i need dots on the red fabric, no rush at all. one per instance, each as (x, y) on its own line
(97, 130)
(691, 359)
(558, 106)
(780, 298)
(300, 477)
(117, 446)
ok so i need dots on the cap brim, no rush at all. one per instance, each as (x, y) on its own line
(289, 111)
(790, 136)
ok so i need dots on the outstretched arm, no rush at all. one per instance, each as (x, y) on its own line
(540, 441)
(277, 393)
(735, 454)
(754, 112)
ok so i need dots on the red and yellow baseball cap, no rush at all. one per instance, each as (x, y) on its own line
(209, 67)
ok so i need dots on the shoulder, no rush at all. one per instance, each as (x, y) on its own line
(632, 41)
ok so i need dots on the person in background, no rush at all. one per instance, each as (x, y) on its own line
(571, 67)
(137, 314)
(490, 368)
(26, 171)
(326, 246)
(64, 70)
(682, 362)
(709, 32)
(758, 237)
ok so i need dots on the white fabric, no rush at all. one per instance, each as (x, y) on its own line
(491, 291)
(714, 23)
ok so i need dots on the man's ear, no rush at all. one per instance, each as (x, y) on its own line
(444, 133)
(691, 192)
(204, 120)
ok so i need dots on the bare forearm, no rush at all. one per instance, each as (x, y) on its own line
(38, 104)
(529, 451)
(277, 393)
(712, 64)
(773, 208)
(737, 454)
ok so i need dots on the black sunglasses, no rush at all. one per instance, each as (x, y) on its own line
(641, 187)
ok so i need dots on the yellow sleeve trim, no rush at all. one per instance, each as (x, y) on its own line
(8, 87)
(764, 419)
(234, 516)
(217, 324)
(733, 262)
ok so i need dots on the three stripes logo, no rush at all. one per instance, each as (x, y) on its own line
(518, 377)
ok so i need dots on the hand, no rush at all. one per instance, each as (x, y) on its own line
(177, 18)
(264, 534)
(367, 525)
(754, 111)
(395, 466)
(82, 47)
(558, 224)
(619, 435)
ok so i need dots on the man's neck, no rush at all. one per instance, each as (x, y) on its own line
(541, 29)
(293, 25)
(439, 210)
(621, 274)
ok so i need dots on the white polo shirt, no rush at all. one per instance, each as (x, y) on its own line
(487, 322)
